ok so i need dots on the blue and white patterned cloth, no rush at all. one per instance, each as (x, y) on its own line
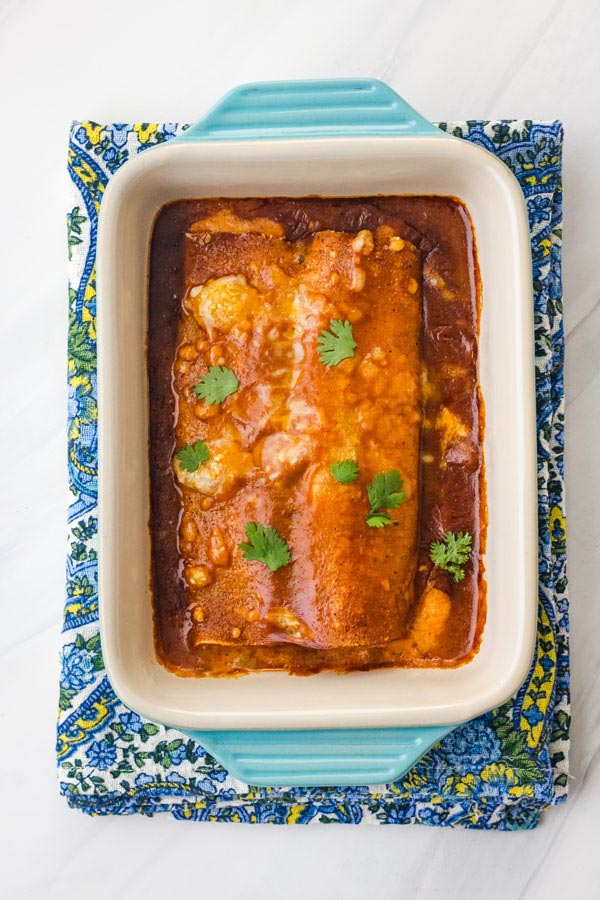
(498, 771)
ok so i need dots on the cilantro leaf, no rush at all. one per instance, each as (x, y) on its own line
(345, 470)
(379, 519)
(336, 344)
(192, 456)
(218, 384)
(265, 545)
(452, 553)
(384, 492)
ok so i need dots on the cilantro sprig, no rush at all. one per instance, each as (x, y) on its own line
(345, 471)
(452, 553)
(216, 385)
(384, 492)
(192, 456)
(265, 545)
(336, 344)
(379, 519)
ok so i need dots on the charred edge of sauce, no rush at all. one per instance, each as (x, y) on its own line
(424, 243)
(151, 582)
(479, 623)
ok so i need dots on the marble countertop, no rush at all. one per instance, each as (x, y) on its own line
(136, 61)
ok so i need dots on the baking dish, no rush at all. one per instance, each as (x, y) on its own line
(344, 138)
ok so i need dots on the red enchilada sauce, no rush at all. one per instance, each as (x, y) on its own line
(403, 271)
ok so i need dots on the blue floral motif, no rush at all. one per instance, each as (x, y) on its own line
(331, 811)
(497, 772)
(77, 668)
(101, 754)
(397, 813)
(203, 785)
(471, 745)
(118, 134)
(178, 755)
(430, 815)
(234, 813)
(131, 721)
(143, 779)
(539, 209)
(176, 778)
(274, 814)
(533, 715)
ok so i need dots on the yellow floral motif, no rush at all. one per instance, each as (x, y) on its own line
(413, 780)
(498, 773)
(540, 688)
(521, 790)
(89, 178)
(558, 527)
(466, 786)
(461, 787)
(145, 130)
(81, 381)
(89, 295)
(73, 609)
(92, 131)
(78, 591)
(79, 731)
(295, 813)
(535, 179)
(548, 160)
(83, 169)
(545, 246)
(79, 609)
(398, 788)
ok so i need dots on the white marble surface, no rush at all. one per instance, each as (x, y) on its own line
(139, 61)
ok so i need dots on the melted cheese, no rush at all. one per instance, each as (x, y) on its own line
(228, 463)
(221, 302)
(226, 222)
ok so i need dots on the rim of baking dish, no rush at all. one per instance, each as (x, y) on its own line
(378, 698)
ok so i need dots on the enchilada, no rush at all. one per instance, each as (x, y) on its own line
(315, 431)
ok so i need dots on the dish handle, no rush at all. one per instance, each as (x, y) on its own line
(333, 107)
(324, 758)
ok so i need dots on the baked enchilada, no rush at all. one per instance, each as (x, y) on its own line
(315, 435)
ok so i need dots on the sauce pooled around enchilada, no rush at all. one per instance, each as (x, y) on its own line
(315, 435)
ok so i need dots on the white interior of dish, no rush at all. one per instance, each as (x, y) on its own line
(343, 167)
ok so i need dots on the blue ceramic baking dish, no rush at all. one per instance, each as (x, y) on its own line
(351, 137)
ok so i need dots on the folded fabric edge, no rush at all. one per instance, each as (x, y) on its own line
(521, 815)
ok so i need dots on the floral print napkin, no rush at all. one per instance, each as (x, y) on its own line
(498, 771)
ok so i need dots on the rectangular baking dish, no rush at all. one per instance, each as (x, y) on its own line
(340, 138)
